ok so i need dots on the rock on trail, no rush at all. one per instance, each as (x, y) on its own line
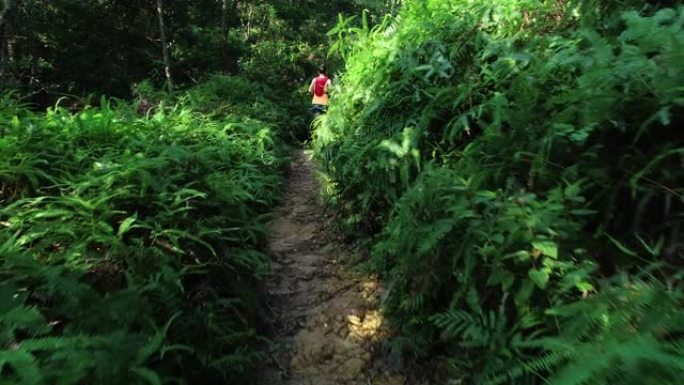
(326, 324)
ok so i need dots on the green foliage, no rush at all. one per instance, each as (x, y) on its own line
(76, 48)
(509, 158)
(630, 332)
(129, 250)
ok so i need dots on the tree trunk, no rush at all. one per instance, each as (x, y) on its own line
(3, 49)
(248, 26)
(5, 11)
(228, 17)
(165, 48)
(224, 32)
(6, 43)
(224, 22)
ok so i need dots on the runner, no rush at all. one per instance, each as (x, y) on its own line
(319, 88)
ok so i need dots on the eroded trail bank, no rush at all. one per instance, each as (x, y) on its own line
(326, 323)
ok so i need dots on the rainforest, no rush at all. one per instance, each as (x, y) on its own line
(494, 193)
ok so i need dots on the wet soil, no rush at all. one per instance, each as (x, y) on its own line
(326, 323)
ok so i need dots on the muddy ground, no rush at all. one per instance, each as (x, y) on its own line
(326, 322)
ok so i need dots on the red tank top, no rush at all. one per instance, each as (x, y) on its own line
(319, 85)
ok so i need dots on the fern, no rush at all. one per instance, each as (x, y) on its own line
(123, 236)
(506, 160)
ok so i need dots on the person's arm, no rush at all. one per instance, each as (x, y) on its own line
(311, 86)
(328, 84)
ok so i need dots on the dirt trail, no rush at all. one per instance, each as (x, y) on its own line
(326, 324)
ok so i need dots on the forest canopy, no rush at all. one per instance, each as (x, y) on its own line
(104, 46)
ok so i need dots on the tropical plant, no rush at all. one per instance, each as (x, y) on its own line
(130, 244)
(510, 161)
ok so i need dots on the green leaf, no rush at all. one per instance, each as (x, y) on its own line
(8, 297)
(24, 364)
(521, 255)
(486, 195)
(583, 212)
(572, 190)
(126, 225)
(655, 249)
(540, 277)
(524, 293)
(154, 344)
(148, 375)
(548, 248)
(585, 287)
(507, 281)
(622, 247)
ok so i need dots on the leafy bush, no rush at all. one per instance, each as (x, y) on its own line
(129, 250)
(509, 159)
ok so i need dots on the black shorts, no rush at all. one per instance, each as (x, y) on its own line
(318, 108)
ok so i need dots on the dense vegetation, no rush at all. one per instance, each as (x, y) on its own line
(132, 230)
(129, 243)
(518, 170)
(513, 165)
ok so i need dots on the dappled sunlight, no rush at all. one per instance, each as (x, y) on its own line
(336, 343)
(330, 313)
(367, 328)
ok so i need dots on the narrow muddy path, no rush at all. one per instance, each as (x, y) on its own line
(326, 323)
